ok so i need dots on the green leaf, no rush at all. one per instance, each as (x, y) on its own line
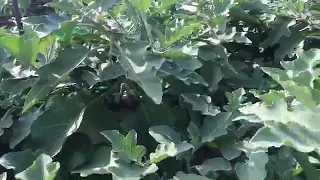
(297, 78)
(164, 134)
(230, 152)
(16, 86)
(235, 99)
(291, 134)
(171, 149)
(6, 121)
(280, 27)
(111, 71)
(122, 169)
(52, 127)
(215, 126)
(21, 126)
(25, 48)
(185, 75)
(215, 164)
(170, 143)
(141, 67)
(201, 103)
(42, 168)
(98, 162)
(254, 168)
(18, 161)
(287, 44)
(126, 145)
(182, 176)
(51, 73)
(194, 135)
(178, 29)
(45, 25)
(280, 111)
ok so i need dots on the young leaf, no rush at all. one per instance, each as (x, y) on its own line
(126, 145)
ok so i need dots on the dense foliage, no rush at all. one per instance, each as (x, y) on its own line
(160, 89)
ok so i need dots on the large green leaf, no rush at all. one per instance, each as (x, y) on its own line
(298, 76)
(16, 86)
(178, 29)
(280, 111)
(50, 74)
(25, 48)
(18, 161)
(42, 168)
(141, 67)
(55, 124)
(185, 75)
(280, 27)
(291, 134)
(21, 126)
(45, 25)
